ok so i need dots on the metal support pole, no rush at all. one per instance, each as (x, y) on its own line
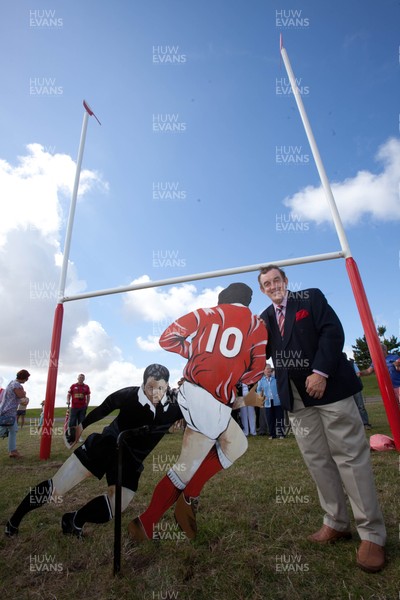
(139, 431)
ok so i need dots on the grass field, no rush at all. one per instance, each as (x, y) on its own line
(371, 388)
(253, 521)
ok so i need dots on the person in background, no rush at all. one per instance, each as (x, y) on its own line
(272, 411)
(21, 411)
(359, 400)
(247, 413)
(393, 365)
(41, 417)
(79, 397)
(14, 395)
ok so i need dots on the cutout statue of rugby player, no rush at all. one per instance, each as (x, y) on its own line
(227, 346)
(148, 405)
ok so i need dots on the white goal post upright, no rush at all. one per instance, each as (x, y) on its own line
(374, 346)
(48, 418)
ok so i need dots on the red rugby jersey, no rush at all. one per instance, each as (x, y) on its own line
(227, 346)
(79, 393)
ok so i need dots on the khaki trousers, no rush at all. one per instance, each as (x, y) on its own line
(332, 441)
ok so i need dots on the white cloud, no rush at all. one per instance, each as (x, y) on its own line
(160, 305)
(29, 287)
(365, 195)
(149, 344)
(35, 198)
(31, 191)
(31, 218)
(118, 374)
(91, 346)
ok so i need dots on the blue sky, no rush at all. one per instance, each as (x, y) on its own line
(201, 163)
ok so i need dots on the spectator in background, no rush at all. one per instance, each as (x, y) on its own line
(262, 428)
(359, 399)
(21, 411)
(247, 413)
(14, 395)
(41, 417)
(272, 411)
(79, 397)
(393, 365)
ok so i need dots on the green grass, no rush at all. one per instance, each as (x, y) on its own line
(251, 544)
(59, 412)
(371, 390)
(371, 387)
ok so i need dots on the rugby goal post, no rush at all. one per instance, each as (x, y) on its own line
(385, 384)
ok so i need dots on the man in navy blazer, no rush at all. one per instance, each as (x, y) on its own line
(316, 384)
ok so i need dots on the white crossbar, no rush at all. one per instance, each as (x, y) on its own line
(222, 273)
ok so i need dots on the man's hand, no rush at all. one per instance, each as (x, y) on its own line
(315, 385)
(254, 399)
(251, 399)
(179, 425)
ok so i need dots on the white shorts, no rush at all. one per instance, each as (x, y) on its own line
(202, 412)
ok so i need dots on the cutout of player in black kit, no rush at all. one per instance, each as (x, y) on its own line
(148, 405)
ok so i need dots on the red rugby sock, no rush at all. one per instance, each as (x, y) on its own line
(164, 496)
(208, 468)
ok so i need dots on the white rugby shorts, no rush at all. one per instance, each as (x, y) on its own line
(202, 412)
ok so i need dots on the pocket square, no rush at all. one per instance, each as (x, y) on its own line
(302, 314)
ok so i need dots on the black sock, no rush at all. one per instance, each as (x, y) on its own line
(37, 496)
(97, 510)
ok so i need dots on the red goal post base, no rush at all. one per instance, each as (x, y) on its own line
(374, 345)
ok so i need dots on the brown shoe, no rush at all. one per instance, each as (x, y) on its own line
(15, 454)
(136, 531)
(370, 557)
(327, 535)
(185, 515)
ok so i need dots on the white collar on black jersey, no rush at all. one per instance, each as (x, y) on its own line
(143, 399)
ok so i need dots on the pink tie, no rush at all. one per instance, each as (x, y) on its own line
(281, 319)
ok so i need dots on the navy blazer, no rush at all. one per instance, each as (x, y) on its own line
(313, 340)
